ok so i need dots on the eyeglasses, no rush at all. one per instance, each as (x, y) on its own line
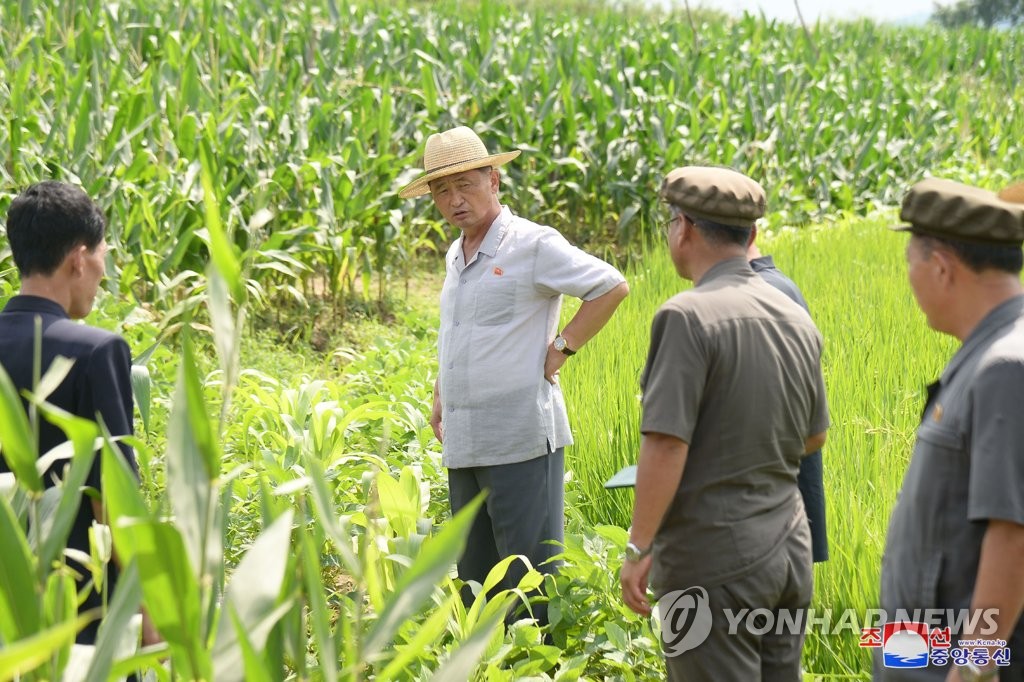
(666, 225)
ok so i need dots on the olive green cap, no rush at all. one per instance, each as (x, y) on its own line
(718, 194)
(944, 208)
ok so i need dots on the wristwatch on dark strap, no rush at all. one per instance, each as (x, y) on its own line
(634, 553)
(561, 346)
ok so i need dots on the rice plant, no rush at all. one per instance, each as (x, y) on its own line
(879, 355)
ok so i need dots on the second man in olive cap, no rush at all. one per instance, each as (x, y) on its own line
(733, 398)
(955, 545)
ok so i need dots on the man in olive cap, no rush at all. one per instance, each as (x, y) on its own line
(733, 398)
(956, 537)
(498, 409)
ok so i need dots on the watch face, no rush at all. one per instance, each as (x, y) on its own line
(634, 553)
(559, 343)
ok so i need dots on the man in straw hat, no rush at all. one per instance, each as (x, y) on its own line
(733, 398)
(956, 537)
(498, 409)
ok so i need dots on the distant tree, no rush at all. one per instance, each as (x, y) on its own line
(987, 13)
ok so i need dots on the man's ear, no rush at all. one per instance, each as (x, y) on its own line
(75, 260)
(947, 266)
(687, 231)
(753, 235)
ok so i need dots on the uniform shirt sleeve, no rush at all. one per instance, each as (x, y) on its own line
(561, 268)
(108, 388)
(996, 488)
(674, 377)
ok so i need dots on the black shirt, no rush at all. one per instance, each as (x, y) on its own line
(98, 386)
(811, 477)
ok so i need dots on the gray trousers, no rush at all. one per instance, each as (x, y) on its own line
(785, 580)
(523, 510)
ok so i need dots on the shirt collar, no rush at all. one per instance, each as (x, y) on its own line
(762, 263)
(23, 303)
(726, 268)
(999, 317)
(489, 246)
(496, 232)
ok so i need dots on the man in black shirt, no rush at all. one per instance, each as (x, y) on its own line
(810, 479)
(56, 235)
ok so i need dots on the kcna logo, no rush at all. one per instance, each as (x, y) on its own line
(685, 619)
(908, 644)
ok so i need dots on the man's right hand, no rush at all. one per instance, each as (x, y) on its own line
(633, 577)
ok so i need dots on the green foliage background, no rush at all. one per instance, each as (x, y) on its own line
(248, 155)
(310, 116)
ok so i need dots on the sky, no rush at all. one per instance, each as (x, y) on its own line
(915, 11)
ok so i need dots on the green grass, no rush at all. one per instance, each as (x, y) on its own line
(879, 355)
(361, 407)
(273, 136)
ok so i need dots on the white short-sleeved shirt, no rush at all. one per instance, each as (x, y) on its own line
(499, 312)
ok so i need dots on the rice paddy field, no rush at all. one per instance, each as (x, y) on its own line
(879, 356)
(280, 302)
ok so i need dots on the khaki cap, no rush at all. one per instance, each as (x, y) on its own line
(718, 194)
(944, 208)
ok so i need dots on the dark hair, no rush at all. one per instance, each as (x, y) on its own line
(47, 221)
(977, 256)
(722, 235)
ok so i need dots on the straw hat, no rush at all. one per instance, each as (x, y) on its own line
(451, 152)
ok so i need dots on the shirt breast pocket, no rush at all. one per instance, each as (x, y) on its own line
(495, 303)
(943, 449)
(942, 437)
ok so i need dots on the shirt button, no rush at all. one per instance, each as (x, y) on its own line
(463, 281)
(451, 409)
(457, 323)
(451, 365)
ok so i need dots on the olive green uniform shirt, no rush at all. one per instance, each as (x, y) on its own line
(967, 467)
(734, 370)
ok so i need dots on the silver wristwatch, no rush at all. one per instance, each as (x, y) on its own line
(634, 553)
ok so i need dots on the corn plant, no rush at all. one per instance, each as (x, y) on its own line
(303, 120)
